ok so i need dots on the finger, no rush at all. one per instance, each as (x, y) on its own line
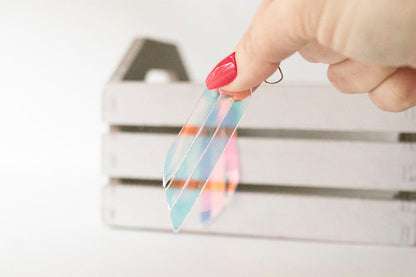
(276, 32)
(397, 93)
(316, 53)
(362, 30)
(375, 32)
(351, 76)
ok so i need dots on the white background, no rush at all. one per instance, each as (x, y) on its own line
(55, 57)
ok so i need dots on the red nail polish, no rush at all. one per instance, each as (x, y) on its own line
(223, 74)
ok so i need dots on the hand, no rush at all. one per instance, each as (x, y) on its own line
(370, 46)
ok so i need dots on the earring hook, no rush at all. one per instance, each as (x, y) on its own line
(278, 81)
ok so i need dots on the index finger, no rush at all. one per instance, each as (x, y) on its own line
(278, 29)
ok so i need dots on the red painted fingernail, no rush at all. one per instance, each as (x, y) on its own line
(223, 74)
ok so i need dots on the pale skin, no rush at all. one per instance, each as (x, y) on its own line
(370, 46)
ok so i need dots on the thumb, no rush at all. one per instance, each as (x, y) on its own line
(278, 29)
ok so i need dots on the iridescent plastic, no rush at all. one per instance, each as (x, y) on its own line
(194, 154)
(221, 185)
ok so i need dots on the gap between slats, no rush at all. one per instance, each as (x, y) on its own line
(369, 136)
(295, 190)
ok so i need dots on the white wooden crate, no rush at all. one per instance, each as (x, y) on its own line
(302, 137)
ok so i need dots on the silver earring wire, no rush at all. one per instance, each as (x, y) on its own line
(278, 81)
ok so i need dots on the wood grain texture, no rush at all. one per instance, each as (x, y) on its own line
(314, 163)
(272, 216)
(271, 107)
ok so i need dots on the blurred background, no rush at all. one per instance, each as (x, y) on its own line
(55, 57)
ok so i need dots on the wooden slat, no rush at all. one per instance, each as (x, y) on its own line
(272, 215)
(282, 107)
(315, 163)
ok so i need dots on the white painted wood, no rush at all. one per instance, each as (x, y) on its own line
(272, 215)
(315, 163)
(283, 106)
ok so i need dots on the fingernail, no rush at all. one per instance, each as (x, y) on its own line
(223, 74)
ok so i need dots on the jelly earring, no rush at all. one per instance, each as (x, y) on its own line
(196, 151)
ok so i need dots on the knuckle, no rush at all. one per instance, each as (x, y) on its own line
(379, 104)
(346, 82)
(307, 56)
(387, 105)
(338, 81)
(332, 75)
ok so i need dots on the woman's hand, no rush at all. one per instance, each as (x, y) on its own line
(370, 46)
